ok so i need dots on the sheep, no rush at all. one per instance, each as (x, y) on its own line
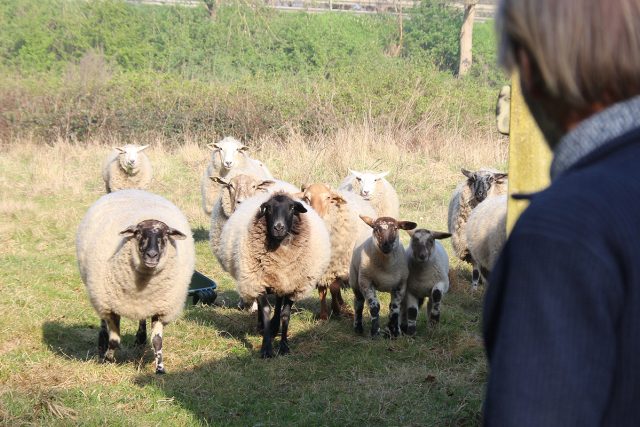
(428, 277)
(379, 263)
(228, 158)
(340, 211)
(374, 188)
(127, 167)
(136, 257)
(486, 235)
(279, 245)
(503, 110)
(478, 186)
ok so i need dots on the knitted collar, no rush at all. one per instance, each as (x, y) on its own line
(595, 132)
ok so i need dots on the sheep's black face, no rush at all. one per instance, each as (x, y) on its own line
(423, 243)
(152, 237)
(386, 230)
(280, 211)
(480, 182)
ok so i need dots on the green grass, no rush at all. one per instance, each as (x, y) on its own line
(49, 373)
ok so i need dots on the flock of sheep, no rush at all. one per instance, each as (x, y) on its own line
(136, 252)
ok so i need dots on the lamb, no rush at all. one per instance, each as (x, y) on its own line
(276, 245)
(486, 235)
(136, 256)
(340, 211)
(467, 195)
(227, 160)
(127, 167)
(379, 263)
(428, 277)
(374, 188)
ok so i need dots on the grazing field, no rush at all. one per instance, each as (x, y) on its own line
(49, 373)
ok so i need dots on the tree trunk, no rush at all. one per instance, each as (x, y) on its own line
(466, 37)
(212, 6)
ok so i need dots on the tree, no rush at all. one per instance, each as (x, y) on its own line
(466, 36)
(212, 6)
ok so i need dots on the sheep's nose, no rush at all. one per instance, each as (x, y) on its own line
(228, 164)
(279, 227)
(152, 253)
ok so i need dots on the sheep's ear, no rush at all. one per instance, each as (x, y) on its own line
(355, 173)
(175, 234)
(120, 149)
(144, 147)
(299, 195)
(130, 231)
(467, 173)
(411, 232)
(304, 187)
(213, 146)
(220, 181)
(243, 148)
(382, 175)
(500, 176)
(299, 208)
(440, 235)
(264, 185)
(338, 199)
(367, 220)
(407, 225)
(263, 210)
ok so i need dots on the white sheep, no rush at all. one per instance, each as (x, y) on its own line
(136, 257)
(379, 263)
(279, 245)
(127, 167)
(340, 211)
(428, 277)
(374, 188)
(487, 234)
(468, 194)
(503, 110)
(228, 158)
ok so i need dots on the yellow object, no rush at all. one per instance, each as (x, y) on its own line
(529, 155)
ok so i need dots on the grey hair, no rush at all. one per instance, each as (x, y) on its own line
(586, 51)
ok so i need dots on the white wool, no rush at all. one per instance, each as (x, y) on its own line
(127, 167)
(374, 188)
(486, 231)
(430, 274)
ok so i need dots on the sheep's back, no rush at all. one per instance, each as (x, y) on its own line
(486, 230)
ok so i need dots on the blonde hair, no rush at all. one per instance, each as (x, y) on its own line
(585, 51)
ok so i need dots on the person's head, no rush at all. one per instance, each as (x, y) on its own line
(575, 57)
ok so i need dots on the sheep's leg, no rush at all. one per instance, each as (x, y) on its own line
(338, 306)
(141, 335)
(112, 324)
(266, 351)
(324, 311)
(411, 314)
(156, 341)
(403, 314)
(275, 320)
(433, 306)
(397, 295)
(475, 277)
(103, 339)
(358, 304)
(286, 315)
(369, 294)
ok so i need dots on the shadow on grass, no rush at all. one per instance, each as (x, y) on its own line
(200, 234)
(80, 342)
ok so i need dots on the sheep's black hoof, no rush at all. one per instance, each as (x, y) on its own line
(284, 348)
(266, 353)
(358, 328)
(391, 331)
(434, 319)
(160, 371)
(403, 328)
(141, 339)
(108, 358)
(410, 331)
(375, 333)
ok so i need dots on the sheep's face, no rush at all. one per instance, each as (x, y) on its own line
(386, 231)
(321, 197)
(368, 182)
(229, 150)
(128, 157)
(241, 187)
(482, 182)
(423, 242)
(152, 237)
(280, 211)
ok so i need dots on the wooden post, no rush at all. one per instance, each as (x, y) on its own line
(529, 155)
(466, 37)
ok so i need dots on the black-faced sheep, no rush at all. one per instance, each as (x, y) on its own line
(375, 189)
(468, 194)
(379, 263)
(340, 211)
(487, 234)
(127, 167)
(136, 257)
(428, 277)
(228, 158)
(275, 244)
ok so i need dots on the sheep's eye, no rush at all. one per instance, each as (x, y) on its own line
(358, 178)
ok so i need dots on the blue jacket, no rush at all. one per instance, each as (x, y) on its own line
(562, 314)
